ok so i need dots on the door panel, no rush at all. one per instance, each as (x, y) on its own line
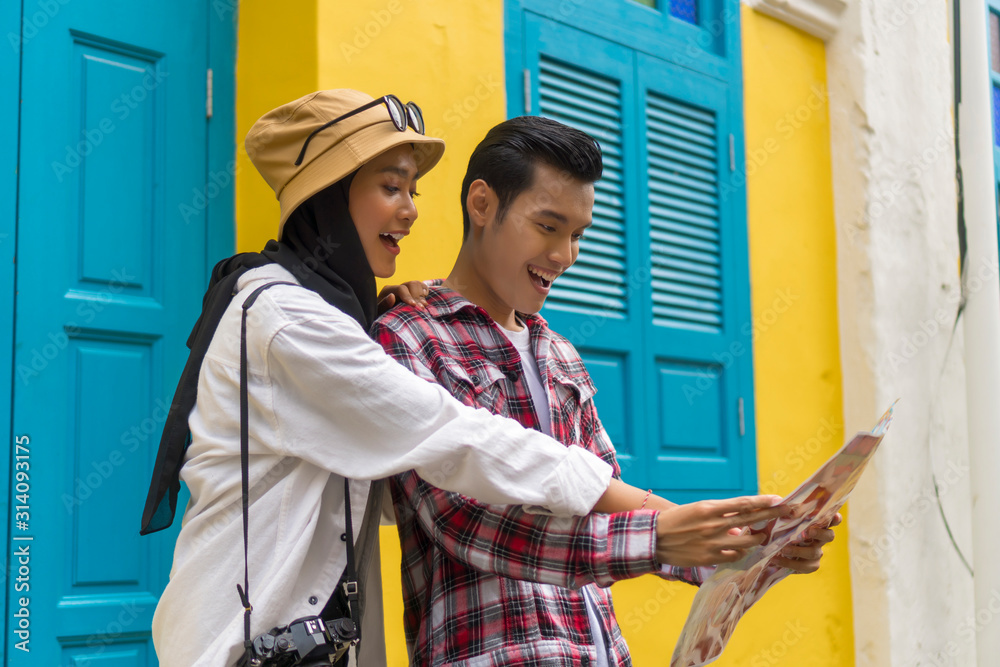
(109, 274)
(10, 22)
(697, 292)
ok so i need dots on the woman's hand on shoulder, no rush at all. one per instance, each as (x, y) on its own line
(413, 292)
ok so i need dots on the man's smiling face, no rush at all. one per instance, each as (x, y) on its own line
(537, 239)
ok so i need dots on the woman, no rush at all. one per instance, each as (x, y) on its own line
(324, 402)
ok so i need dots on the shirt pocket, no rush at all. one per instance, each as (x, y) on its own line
(572, 394)
(478, 384)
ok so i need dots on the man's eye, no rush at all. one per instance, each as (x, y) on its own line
(547, 227)
(414, 194)
(577, 237)
(391, 189)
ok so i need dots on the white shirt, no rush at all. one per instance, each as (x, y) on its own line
(325, 402)
(521, 340)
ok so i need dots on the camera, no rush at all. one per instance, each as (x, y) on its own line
(304, 642)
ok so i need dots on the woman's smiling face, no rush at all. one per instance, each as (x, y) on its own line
(381, 204)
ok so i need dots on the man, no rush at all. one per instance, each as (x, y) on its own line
(487, 584)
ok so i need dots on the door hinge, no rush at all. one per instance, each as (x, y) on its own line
(208, 94)
(739, 410)
(732, 153)
(527, 91)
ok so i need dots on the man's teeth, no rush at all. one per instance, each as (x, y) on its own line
(395, 237)
(544, 275)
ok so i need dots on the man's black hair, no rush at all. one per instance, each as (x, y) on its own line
(507, 156)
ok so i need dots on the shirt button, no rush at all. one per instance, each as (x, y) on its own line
(475, 379)
(512, 376)
(313, 599)
(343, 537)
(584, 660)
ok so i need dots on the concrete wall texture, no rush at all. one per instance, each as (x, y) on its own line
(890, 77)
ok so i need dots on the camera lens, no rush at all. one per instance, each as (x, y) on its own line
(342, 629)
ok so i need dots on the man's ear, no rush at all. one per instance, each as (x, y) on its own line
(481, 203)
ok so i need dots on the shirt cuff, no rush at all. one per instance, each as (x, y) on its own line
(690, 575)
(630, 549)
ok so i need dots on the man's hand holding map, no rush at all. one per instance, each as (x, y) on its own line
(734, 587)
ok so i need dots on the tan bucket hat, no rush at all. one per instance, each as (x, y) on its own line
(275, 141)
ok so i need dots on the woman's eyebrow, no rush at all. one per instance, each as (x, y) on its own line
(399, 171)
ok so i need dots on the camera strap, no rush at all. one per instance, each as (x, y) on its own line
(245, 459)
(350, 575)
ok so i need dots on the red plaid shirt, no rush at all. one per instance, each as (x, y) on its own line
(493, 585)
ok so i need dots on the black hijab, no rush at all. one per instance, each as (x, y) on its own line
(320, 246)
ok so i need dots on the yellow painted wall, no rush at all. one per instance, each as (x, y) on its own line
(276, 62)
(798, 379)
(805, 621)
(448, 57)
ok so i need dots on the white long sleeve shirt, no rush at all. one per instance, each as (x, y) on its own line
(325, 402)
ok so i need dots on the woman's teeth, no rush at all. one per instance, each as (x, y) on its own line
(394, 239)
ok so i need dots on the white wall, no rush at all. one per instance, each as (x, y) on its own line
(890, 79)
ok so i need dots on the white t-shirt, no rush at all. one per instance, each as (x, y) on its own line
(521, 340)
(539, 397)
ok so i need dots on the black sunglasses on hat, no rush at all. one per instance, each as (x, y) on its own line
(400, 114)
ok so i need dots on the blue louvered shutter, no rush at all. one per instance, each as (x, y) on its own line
(591, 303)
(681, 141)
(698, 351)
(656, 299)
(591, 102)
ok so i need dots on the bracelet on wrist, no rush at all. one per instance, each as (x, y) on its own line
(646, 499)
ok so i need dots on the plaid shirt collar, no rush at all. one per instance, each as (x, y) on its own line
(444, 302)
(555, 362)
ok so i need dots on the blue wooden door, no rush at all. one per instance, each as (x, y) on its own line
(10, 22)
(112, 247)
(658, 301)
